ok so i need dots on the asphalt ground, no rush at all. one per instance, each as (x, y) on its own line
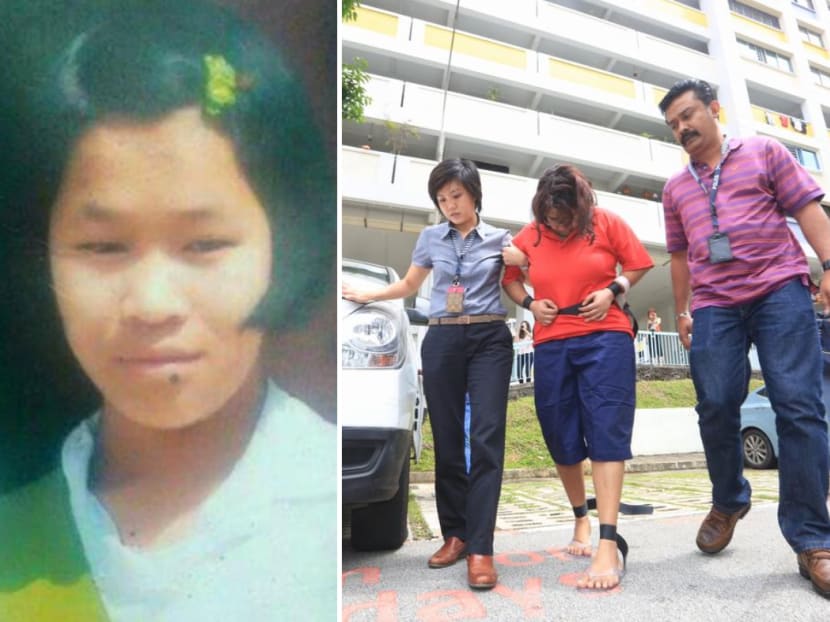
(755, 578)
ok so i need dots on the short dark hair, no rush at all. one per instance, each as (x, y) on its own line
(141, 60)
(456, 169)
(702, 90)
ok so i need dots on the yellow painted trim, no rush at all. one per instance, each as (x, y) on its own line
(436, 36)
(678, 11)
(760, 115)
(722, 115)
(812, 48)
(376, 21)
(658, 94)
(595, 78)
(759, 28)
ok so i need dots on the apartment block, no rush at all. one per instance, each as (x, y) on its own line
(519, 85)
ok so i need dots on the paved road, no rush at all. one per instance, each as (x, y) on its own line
(755, 578)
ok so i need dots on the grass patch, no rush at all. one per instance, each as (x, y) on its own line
(525, 448)
(418, 527)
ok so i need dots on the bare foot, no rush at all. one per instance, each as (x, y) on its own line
(605, 570)
(581, 543)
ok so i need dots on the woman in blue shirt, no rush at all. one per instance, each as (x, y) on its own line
(468, 348)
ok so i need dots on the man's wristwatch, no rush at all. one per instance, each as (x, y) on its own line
(825, 265)
(684, 314)
(527, 302)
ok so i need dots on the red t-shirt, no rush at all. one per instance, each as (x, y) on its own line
(566, 271)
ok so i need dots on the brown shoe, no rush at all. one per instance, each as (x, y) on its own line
(717, 528)
(481, 574)
(452, 550)
(815, 565)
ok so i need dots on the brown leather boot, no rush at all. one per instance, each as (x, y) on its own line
(815, 565)
(450, 552)
(481, 573)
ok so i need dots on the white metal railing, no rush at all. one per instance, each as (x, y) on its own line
(661, 349)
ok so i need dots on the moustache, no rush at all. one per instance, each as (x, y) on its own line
(688, 135)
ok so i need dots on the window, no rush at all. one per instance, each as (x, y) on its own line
(811, 36)
(807, 4)
(773, 59)
(822, 77)
(808, 159)
(754, 14)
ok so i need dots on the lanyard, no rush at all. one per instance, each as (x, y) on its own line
(713, 192)
(468, 242)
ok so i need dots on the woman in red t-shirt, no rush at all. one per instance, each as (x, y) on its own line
(585, 372)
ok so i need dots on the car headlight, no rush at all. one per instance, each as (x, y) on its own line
(371, 338)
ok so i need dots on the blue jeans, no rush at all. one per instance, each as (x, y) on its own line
(783, 329)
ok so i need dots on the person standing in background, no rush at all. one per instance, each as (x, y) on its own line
(524, 352)
(654, 325)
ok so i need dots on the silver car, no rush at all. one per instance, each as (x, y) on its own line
(381, 407)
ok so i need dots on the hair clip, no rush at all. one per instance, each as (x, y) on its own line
(221, 85)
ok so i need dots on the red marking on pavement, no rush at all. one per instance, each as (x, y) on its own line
(529, 599)
(562, 555)
(506, 559)
(386, 606)
(370, 575)
(454, 605)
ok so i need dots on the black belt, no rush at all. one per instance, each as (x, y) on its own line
(572, 310)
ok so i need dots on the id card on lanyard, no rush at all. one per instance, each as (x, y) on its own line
(455, 292)
(720, 250)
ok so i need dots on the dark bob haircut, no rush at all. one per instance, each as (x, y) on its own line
(140, 60)
(460, 170)
(564, 189)
(701, 89)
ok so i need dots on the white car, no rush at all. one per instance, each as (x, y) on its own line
(381, 409)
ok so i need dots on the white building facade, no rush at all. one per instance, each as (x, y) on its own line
(519, 85)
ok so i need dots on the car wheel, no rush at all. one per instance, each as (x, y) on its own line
(383, 526)
(758, 453)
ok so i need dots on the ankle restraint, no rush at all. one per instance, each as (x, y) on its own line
(580, 510)
(607, 532)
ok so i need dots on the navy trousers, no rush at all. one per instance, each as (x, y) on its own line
(456, 360)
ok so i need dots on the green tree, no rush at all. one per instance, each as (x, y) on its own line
(354, 75)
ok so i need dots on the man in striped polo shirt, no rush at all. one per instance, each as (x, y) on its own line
(740, 274)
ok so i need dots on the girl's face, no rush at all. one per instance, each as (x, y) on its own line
(560, 221)
(159, 252)
(457, 205)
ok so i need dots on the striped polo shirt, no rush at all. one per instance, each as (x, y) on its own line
(761, 184)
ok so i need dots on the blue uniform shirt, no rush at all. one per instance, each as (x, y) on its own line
(480, 269)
